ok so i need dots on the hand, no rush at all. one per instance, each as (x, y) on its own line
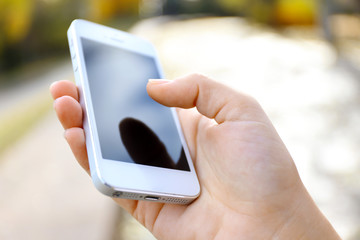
(250, 188)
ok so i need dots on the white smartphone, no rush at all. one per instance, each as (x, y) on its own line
(135, 146)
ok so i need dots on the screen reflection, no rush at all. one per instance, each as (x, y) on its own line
(117, 82)
(145, 147)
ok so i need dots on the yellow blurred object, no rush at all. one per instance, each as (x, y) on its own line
(106, 9)
(296, 12)
(15, 19)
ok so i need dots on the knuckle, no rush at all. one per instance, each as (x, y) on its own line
(199, 76)
(250, 99)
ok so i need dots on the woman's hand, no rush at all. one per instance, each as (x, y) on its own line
(250, 188)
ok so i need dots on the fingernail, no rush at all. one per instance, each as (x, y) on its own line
(159, 81)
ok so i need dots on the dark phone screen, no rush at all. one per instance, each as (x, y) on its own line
(131, 126)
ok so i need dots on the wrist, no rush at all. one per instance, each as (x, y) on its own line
(305, 221)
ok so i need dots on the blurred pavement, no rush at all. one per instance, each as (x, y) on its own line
(32, 85)
(44, 194)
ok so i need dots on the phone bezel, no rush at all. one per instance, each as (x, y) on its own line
(111, 176)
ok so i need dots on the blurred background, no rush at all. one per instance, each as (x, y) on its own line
(299, 58)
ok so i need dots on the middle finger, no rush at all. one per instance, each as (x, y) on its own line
(69, 112)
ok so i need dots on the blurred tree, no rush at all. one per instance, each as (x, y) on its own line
(275, 12)
(261, 11)
(233, 6)
(15, 19)
(173, 7)
(257, 10)
(36, 29)
(15, 23)
(101, 10)
(47, 34)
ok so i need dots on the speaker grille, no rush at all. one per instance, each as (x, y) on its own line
(175, 200)
(138, 196)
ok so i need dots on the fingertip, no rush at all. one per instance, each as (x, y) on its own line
(63, 88)
(52, 89)
(170, 93)
(155, 88)
(69, 111)
(154, 83)
(64, 102)
(52, 85)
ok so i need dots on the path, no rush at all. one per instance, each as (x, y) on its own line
(33, 85)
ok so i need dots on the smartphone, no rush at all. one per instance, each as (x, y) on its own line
(135, 146)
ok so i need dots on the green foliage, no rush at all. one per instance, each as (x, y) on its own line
(233, 6)
(15, 19)
(36, 29)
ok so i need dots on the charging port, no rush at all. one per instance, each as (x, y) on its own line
(151, 198)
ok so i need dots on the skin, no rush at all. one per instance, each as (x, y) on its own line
(250, 187)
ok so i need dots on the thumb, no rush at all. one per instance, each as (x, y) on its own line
(212, 99)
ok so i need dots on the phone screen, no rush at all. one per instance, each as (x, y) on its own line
(131, 126)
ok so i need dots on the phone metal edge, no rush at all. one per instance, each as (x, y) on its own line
(97, 179)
